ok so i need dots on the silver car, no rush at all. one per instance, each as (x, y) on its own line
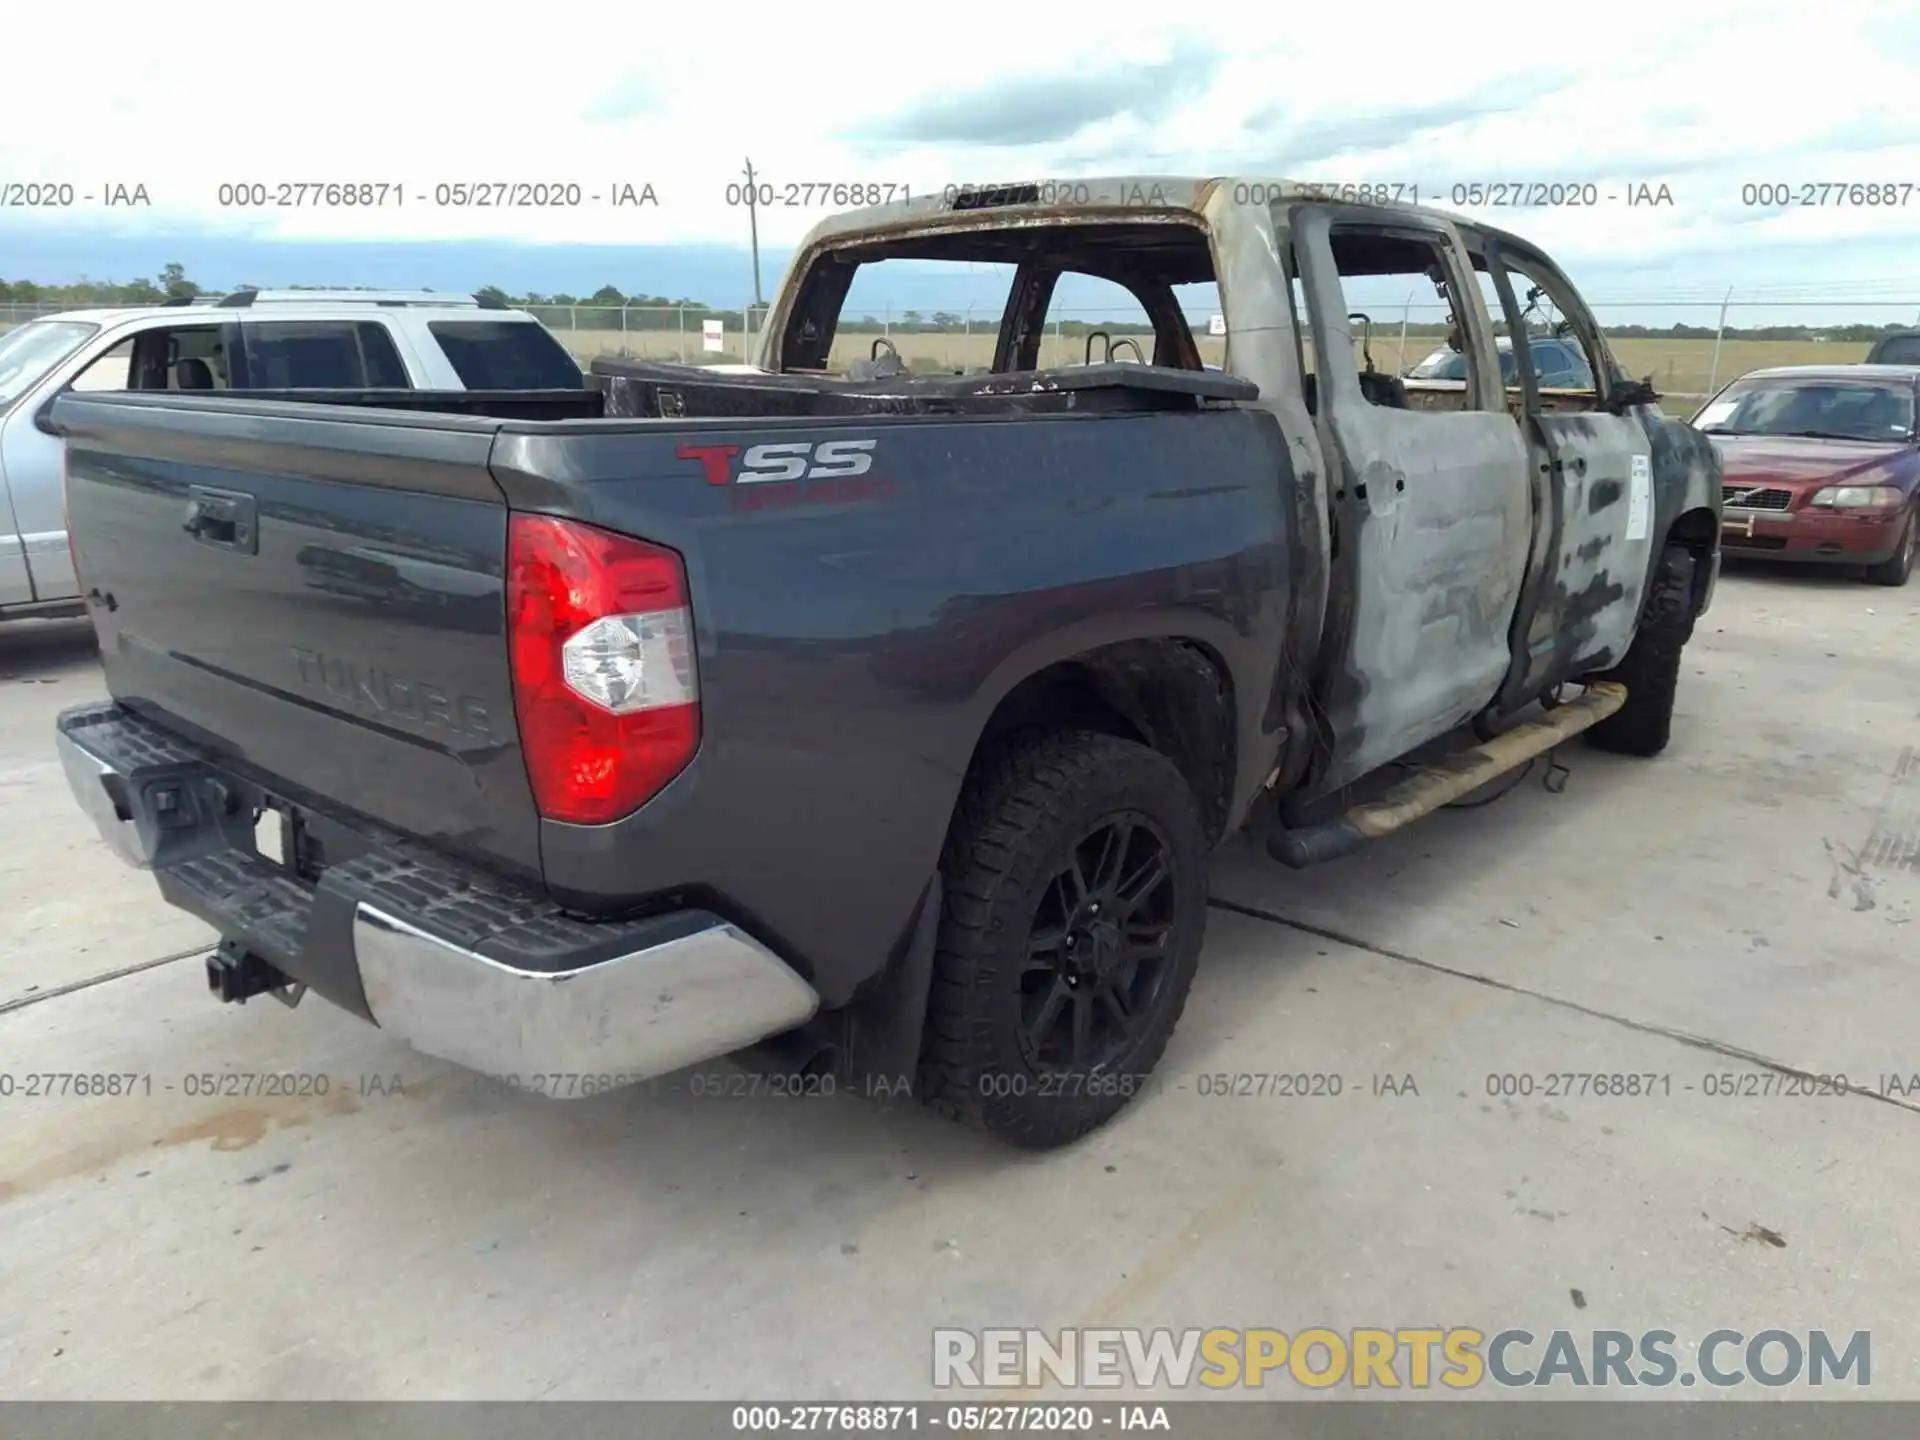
(252, 340)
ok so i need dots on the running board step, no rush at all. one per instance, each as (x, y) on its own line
(1445, 781)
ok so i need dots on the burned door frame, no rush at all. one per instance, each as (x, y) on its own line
(1024, 317)
(1591, 472)
(1431, 512)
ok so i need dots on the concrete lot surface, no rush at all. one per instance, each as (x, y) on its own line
(1745, 904)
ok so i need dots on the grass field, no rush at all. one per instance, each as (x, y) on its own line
(1679, 367)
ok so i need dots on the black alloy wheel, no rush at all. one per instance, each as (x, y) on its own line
(1099, 949)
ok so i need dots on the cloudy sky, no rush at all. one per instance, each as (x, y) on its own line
(1704, 99)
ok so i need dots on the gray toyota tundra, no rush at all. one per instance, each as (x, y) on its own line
(873, 714)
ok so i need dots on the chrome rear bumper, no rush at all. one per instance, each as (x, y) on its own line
(638, 1015)
(94, 783)
(492, 976)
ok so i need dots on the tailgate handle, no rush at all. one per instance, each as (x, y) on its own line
(224, 518)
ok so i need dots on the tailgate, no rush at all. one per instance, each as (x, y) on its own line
(317, 598)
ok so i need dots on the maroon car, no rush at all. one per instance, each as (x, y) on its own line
(1821, 465)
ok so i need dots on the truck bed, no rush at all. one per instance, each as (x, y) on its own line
(641, 389)
(346, 644)
(648, 388)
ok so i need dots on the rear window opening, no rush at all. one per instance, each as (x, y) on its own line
(506, 355)
(1006, 300)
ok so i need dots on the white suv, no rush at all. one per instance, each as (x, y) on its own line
(252, 340)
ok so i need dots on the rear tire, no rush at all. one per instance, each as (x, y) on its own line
(1075, 904)
(1897, 568)
(1651, 667)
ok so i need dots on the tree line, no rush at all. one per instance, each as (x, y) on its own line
(658, 312)
(171, 284)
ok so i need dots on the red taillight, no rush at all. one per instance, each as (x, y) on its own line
(604, 682)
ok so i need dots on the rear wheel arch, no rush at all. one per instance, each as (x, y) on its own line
(1171, 694)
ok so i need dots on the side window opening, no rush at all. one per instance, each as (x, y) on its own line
(1562, 340)
(1437, 362)
(1385, 274)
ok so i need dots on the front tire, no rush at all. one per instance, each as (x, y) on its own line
(1075, 903)
(1897, 568)
(1651, 667)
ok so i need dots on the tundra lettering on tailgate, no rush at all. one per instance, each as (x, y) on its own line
(384, 693)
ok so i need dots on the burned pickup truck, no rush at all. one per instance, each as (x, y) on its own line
(875, 720)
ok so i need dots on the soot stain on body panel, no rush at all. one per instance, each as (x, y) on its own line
(1422, 532)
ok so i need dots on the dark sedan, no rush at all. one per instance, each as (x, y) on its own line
(1821, 465)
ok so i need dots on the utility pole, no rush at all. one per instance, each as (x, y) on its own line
(1713, 375)
(753, 229)
(753, 226)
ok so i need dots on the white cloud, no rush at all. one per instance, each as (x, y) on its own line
(1707, 99)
